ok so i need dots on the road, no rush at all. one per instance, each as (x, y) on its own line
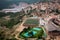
(19, 29)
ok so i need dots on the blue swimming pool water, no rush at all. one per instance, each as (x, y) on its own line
(36, 29)
(34, 32)
(26, 34)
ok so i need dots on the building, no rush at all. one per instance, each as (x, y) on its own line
(53, 24)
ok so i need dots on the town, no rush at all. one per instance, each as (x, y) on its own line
(38, 21)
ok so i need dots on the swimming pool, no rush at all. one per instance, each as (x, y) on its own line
(33, 32)
(36, 29)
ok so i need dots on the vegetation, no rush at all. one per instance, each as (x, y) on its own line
(5, 34)
(7, 21)
(13, 19)
(29, 12)
(2, 14)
